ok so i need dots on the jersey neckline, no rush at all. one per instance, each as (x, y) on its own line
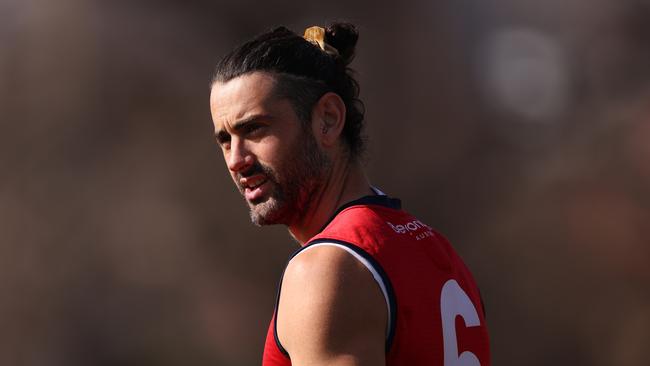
(376, 200)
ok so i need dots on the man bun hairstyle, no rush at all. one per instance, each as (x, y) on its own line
(304, 72)
(343, 37)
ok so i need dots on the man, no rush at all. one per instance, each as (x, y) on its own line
(371, 285)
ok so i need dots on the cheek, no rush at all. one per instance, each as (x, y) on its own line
(272, 151)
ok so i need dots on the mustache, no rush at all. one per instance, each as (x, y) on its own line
(255, 169)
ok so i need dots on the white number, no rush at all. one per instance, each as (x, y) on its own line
(454, 301)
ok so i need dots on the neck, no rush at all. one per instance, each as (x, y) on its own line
(345, 182)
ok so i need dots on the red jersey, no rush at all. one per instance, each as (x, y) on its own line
(436, 316)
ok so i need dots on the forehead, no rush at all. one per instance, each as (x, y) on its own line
(240, 97)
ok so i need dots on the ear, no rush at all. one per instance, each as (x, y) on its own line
(328, 119)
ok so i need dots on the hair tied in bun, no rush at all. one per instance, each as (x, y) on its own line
(316, 35)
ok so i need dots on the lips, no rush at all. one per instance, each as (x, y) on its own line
(252, 182)
(253, 187)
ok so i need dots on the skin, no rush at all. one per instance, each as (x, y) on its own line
(338, 314)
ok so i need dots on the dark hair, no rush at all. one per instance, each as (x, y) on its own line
(304, 72)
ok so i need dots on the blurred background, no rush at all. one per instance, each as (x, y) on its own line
(520, 129)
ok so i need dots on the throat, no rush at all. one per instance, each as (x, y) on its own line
(343, 184)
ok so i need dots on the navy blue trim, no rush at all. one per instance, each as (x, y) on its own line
(392, 301)
(377, 200)
(277, 304)
(277, 307)
(480, 296)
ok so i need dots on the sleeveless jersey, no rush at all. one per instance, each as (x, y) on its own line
(436, 315)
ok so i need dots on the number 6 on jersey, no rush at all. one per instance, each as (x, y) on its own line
(453, 302)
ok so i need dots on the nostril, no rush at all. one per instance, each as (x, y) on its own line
(237, 162)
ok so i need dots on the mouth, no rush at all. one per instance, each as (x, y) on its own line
(252, 182)
(253, 187)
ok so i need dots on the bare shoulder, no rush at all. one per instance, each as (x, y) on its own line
(329, 264)
(331, 310)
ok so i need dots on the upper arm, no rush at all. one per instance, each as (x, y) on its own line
(331, 311)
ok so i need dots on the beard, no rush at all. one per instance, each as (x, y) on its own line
(293, 183)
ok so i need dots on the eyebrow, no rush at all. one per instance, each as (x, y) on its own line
(223, 135)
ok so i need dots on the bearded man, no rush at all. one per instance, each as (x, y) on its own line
(371, 284)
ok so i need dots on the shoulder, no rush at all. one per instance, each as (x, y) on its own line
(328, 276)
(330, 304)
(325, 262)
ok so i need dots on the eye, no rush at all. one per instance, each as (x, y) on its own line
(223, 140)
(225, 145)
(253, 130)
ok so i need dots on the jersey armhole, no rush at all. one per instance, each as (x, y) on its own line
(378, 274)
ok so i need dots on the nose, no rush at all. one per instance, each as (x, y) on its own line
(238, 157)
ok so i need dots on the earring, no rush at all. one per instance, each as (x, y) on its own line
(324, 130)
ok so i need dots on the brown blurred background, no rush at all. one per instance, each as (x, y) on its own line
(519, 129)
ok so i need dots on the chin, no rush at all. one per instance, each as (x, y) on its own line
(269, 212)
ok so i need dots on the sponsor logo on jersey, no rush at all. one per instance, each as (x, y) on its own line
(412, 227)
